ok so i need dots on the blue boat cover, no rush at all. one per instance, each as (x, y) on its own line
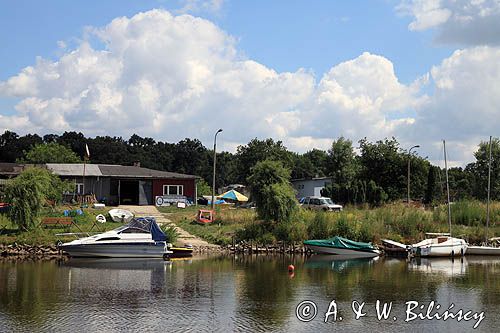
(149, 223)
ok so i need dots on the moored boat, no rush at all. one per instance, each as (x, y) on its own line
(342, 246)
(394, 248)
(141, 238)
(485, 250)
(181, 251)
(441, 246)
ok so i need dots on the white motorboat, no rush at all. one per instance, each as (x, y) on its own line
(141, 238)
(121, 215)
(441, 246)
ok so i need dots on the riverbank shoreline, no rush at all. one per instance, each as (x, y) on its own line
(28, 252)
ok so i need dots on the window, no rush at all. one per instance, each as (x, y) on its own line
(79, 188)
(173, 189)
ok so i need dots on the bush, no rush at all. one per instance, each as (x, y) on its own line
(319, 227)
(171, 233)
(346, 229)
(28, 192)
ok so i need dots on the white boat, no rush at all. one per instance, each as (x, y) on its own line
(121, 215)
(441, 246)
(141, 238)
(484, 250)
(443, 266)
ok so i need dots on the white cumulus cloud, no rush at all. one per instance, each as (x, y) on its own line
(464, 22)
(171, 77)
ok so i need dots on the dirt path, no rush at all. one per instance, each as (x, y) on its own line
(162, 219)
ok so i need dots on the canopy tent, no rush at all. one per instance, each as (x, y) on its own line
(233, 195)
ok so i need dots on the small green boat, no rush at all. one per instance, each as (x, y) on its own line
(342, 246)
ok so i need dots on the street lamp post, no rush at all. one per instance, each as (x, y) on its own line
(215, 157)
(409, 159)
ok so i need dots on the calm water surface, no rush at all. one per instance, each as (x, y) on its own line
(243, 293)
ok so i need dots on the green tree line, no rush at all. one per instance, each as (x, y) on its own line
(365, 172)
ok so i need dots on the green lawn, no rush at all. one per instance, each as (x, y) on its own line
(41, 235)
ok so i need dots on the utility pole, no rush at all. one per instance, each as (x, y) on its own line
(215, 158)
(409, 159)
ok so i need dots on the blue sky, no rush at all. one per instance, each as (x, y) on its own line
(285, 35)
(304, 72)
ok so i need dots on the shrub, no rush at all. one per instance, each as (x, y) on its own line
(346, 229)
(171, 233)
(319, 227)
(28, 192)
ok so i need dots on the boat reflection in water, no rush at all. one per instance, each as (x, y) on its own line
(337, 263)
(125, 274)
(449, 267)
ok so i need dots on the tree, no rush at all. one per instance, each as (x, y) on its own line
(50, 153)
(342, 168)
(309, 165)
(29, 191)
(12, 146)
(75, 141)
(202, 187)
(260, 150)
(479, 170)
(432, 191)
(191, 157)
(271, 191)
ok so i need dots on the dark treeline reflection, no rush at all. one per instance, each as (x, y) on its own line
(235, 293)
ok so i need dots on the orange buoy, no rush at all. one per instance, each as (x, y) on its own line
(291, 268)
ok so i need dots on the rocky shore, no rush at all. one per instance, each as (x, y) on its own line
(32, 252)
(13, 252)
(250, 248)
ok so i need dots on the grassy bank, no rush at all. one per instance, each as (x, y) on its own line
(9, 233)
(393, 221)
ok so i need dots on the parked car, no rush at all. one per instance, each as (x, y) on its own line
(320, 203)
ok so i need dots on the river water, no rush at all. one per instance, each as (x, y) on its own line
(248, 293)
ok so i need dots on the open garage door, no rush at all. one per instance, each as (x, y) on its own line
(145, 192)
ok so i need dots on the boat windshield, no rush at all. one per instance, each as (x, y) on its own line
(326, 201)
(143, 225)
(135, 226)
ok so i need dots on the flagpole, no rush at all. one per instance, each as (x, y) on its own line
(84, 164)
(86, 155)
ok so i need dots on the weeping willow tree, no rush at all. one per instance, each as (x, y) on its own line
(28, 192)
(272, 192)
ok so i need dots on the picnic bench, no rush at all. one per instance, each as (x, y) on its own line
(57, 221)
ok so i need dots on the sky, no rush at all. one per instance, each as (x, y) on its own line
(303, 72)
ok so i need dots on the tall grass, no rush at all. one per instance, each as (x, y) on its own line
(393, 221)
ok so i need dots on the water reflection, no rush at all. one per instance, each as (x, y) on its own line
(114, 274)
(448, 267)
(337, 263)
(237, 293)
